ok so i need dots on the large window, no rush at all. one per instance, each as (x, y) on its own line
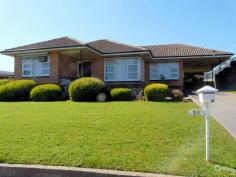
(123, 69)
(35, 66)
(164, 71)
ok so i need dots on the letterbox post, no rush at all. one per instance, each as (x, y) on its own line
(207, 96)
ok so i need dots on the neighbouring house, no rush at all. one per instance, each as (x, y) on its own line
(117, 64)
(6, 74)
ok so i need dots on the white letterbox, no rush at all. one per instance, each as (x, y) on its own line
(207, 94)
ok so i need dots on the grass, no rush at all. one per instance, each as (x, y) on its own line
(135, 136)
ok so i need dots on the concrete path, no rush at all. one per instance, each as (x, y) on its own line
(223, 110)
(18, 170)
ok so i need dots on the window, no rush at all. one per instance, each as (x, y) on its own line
(110, 70)
(27, 68)
(133, 65)
(35, 66)
(164, 71)
(122, 69)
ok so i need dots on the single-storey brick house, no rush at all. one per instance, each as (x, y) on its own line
(117, 64)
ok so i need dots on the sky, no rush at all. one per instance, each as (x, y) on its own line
(204, 23)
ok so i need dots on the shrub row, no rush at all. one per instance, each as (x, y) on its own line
(18, 90)
(84, 89)
(21, 90)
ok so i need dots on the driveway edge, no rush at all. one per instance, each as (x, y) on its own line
(18, 170)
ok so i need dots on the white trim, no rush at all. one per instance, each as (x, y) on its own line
(25, 52)
(193, 57)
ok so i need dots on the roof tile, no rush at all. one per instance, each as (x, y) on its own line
(176, 50)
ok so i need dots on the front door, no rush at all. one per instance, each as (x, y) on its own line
(84, 69)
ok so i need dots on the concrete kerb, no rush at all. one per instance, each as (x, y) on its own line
(17, 170)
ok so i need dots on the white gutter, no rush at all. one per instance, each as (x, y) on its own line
(192, 57)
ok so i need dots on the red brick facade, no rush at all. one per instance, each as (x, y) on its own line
(65, 67)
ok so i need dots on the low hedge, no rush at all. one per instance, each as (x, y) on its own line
(85, 89)
(18, 90)
(46, 92)
(156, 92)
(177, 95)
(121, 94)
(4, 81)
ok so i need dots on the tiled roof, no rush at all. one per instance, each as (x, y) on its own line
(175, 50)
(54, 43)
(107, 47)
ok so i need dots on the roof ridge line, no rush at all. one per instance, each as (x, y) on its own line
(130, 45)
(74, 39)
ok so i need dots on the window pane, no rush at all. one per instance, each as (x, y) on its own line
(26, 72)
(110, 68)
(154, 71)
(110, 76)
(155, 76)
(110, 62)
(132, 75)
(45, 72)
(45, 65)
(26, 66)
(173, 69)
(132, 68)
(132, 61)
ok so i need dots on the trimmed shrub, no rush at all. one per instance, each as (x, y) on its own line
(4, 81)
(46, 92)
(156, 92)
(85, 89)
(177, 95)
(18, 90)
(121, 94)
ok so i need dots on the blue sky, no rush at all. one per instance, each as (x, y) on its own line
(206, 23)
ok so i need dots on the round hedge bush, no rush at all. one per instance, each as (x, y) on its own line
(4, 81)
(121, 94)
(18, 90)
(46, 92)
(177, 95)
(156, 92)
(85, 89)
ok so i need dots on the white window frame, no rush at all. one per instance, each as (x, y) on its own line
(26, 62)
(117, 72)
(151, 65)
(176, 73)
(32, 61)
(138, 70)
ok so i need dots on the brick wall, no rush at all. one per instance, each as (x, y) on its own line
(53, 78)
(63, 66)
(98, 68)
(67, 67)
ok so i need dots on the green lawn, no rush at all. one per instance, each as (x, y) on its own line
(136, 136)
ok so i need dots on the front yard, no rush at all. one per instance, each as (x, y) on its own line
(136, 136)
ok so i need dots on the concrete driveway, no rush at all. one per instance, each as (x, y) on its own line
(223, 110)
